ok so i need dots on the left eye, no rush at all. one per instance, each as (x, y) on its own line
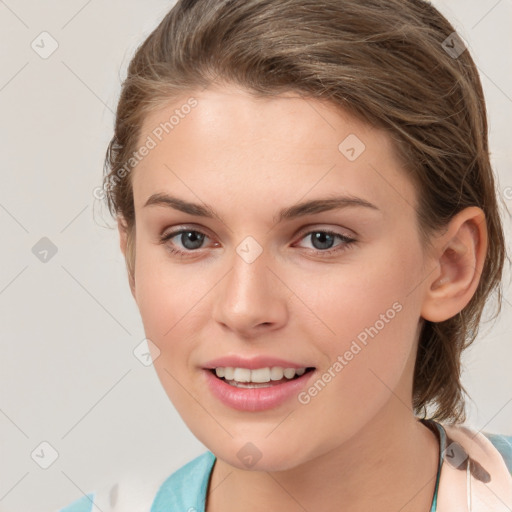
(192, 240)
(326, 237)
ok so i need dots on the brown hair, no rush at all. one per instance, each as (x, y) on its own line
(387, 62)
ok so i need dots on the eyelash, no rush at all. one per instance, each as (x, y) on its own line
(348, 242)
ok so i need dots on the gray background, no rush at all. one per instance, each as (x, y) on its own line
(68, 328)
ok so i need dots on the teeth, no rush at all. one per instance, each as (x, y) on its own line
(259, 375)
(276, 373)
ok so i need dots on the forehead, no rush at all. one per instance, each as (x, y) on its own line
(225, 139)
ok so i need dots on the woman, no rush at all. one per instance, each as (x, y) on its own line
(308, 214)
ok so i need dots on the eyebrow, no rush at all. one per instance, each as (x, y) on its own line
(298, 210)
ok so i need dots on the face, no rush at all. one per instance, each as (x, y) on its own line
(269, 283)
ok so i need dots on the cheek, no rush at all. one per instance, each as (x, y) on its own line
(166, 298)
(365, 313)
(366, 364)
(346, 299)
(171, 299)
(158, 296)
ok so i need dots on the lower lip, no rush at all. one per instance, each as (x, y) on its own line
(255, 399)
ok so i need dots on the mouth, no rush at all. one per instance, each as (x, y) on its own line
(260, 377)
(257, 388)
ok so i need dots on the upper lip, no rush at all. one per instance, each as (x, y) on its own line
(251, 363)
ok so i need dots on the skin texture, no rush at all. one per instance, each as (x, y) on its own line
(357, 443)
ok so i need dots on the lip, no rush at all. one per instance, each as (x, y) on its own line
(252, 363)
(256, 399)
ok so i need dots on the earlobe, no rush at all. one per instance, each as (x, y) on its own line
(461, 256)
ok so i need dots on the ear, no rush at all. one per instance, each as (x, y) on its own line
(123, 244)
(459, 255)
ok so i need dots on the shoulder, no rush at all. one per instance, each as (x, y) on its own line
(494, 447)
(132, 493)
(503, 444)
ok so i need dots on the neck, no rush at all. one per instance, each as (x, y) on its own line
(391, 462)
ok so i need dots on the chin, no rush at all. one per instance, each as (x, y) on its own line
(258, 455)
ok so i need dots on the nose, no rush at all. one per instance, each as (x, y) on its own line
(251, 299)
